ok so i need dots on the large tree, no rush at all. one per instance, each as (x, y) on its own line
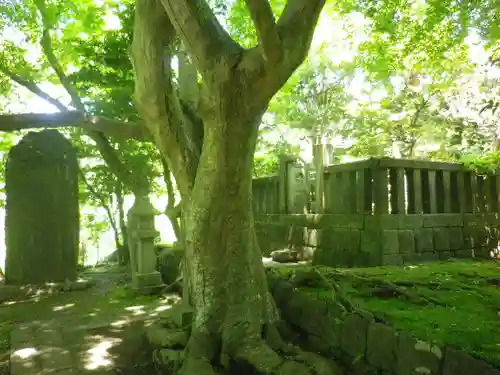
(227, 283)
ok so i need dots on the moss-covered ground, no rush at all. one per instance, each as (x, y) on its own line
(455, 303)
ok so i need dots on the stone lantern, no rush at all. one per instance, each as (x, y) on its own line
(142, 234)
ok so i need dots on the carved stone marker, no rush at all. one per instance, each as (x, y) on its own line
(42, 222)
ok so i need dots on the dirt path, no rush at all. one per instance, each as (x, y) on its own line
(94, 331)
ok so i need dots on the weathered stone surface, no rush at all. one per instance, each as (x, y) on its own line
(445, 255)
(170, 358)
(406, 240)
(319, 364)
(463, 254)
(162, 337)
(371, 252)
(314, 318)
(441, 239)
(392, 260)
(381, 346)
(295, 368)
(442, 220)
(416, 357)
(411, 222)
(390, 242)
(354, 335)
(457, 362)
(424, 240)
(42, 210)
(456, 238)
(169, 262)
(179, 315)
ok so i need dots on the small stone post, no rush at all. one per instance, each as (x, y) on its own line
(142, 233)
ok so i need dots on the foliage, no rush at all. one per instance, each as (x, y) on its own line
(486, 164)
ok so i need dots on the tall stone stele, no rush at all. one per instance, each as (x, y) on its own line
(142, 233)
(42, 222)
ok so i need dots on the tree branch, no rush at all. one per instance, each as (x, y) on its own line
(155, 94)
(13, 122)
(104, 205)
(106, 150)
(295, 30)
(263, 19)
(203, 36)
(296, 27)
(33, 87)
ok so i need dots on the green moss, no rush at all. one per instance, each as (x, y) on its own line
(454, 303)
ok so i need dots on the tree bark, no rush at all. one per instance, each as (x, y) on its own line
(125, 253)
(218, 218)
(235, 314)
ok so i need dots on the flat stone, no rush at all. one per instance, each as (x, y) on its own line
(406, 240)
(390, 242)
(168, 357)
(354, 335)
(295, 368)
(424, 240)
(166, 338)
(416, 357)
(381, 346)
(321, 365)
(441, 239)
(458, 362)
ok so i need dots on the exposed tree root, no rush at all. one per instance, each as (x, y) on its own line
(269, 355)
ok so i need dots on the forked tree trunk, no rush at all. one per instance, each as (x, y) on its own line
(224, 260)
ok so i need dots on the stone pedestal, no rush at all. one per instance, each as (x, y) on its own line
(142, 233)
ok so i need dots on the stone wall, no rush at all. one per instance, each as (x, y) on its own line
(370, 240)
(361, 344)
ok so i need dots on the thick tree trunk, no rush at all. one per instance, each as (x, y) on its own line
(235, 321)
(223, 258)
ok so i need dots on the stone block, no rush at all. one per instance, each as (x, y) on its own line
(456, 238)
(473, 220)
(392, 260)
(314, 318)
(381, 346)
(441, 239)
(354, 335)
(388, 222)
(324, 257)
(445, 255)
(416, 357)
(390, 241)
(442, 220)
(424, 240)
(411, 221)
(145, 280)
(406, 239)
(463, 254)
(457, 362)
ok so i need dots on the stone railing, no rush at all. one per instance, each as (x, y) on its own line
(384, 212)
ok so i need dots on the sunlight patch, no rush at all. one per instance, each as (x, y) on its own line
(63, 307)
(136, 310)
(25, 353)
(98, 356)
